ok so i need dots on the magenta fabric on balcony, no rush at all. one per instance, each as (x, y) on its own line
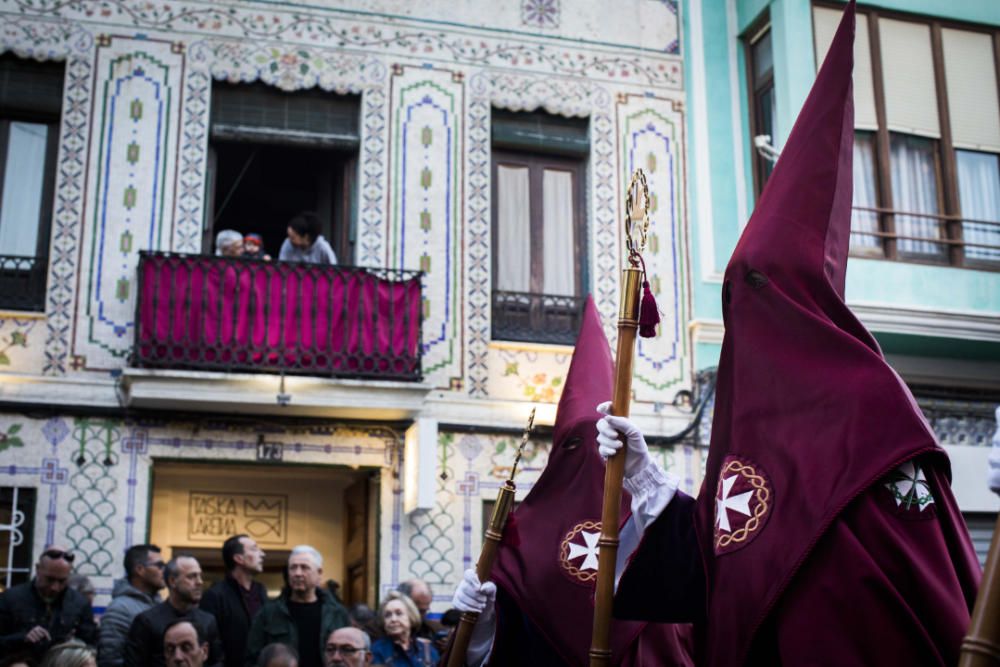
(210, 313)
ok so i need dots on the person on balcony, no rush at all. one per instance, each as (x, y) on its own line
(305, 243)
(253, 247)
(229, 243)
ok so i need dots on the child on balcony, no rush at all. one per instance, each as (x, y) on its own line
(253, 247)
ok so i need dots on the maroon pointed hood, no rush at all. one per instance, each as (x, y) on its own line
(546, 573)
(590, 379)
(808, 414)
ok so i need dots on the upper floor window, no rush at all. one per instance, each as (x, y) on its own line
(927, 138)
(30, 104)
(760, 73)
(539, 166)
(274, 154)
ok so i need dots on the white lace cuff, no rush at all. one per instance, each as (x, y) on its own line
(652, 489)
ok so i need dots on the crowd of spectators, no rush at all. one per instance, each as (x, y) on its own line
(304, 243)
(49, 621)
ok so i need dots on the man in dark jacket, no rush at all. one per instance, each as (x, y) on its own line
(144, 647)
(235, 600)
(303, 616)
(130, 597)
(43, 612)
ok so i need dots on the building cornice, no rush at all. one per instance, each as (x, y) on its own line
(929, 322)
(892, 319)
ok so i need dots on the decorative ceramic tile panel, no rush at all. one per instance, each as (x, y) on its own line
(561, 96)
(542, 14)
(21, 344)
(477, 237)
(43, 39)
(425, 222)
(129, 200)
(605, 221)
(93, 524)
(283, 66)
(191, 173)
(527, 373)
(431, 553)
(397, 37)
(653, 139)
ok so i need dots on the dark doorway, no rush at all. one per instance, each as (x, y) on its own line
(273, 154)
(260, 187)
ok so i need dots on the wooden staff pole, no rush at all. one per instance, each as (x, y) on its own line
(981, 647)
(628, 324)
(491, 543)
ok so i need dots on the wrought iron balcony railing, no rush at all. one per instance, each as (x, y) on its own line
(22, 282)
(233, 314)
(913, 236)
(536, 318)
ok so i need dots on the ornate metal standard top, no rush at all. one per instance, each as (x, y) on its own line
(524, 441)
(636, 228)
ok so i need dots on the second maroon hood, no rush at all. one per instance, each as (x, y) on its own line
(808, 414)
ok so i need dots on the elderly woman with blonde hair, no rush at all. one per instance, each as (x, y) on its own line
(400, 646)
(73, 653)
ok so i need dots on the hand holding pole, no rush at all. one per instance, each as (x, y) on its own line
(491, 542)
(636, 227)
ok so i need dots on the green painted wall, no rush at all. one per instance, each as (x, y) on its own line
(720, 157)
(912, 285)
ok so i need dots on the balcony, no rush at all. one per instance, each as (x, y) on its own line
(22, 282)
(536, 318)
(201, 313)
(929, 238)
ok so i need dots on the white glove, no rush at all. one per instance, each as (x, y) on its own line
(479, 598)
(474, 596)
(993, 477)
(610, 428)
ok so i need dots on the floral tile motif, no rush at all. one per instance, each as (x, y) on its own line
(528, 375)
(540, 13)
(246, 23)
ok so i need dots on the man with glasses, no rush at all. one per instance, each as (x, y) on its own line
(132, 595)
(44, 612)
(347, 647)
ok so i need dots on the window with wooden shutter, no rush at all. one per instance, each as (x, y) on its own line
(927, 141)
(30, 104)
(539, 166)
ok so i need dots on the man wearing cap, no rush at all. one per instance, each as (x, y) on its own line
(43, 612)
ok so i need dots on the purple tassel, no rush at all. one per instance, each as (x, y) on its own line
(649, 314)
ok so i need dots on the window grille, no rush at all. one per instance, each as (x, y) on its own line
(17, 518)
